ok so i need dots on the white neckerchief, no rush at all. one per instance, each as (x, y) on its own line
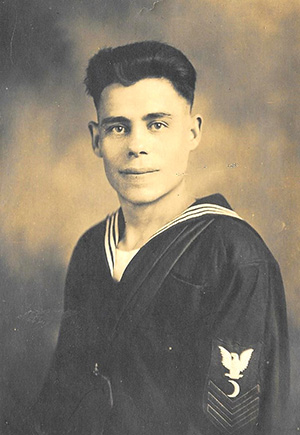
(111, 238)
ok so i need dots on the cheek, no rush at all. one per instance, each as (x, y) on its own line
(110, 168)
(111, 163)
(177, 155)
(111, 154)
(112, 174)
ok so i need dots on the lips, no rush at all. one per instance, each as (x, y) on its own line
(137, 171)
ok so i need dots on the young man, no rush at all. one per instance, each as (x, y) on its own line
(175, 320)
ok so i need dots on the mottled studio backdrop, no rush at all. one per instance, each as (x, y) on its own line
(53, 188)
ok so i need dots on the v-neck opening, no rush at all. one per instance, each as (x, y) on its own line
(115, 227)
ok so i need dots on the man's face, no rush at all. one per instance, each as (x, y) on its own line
(144, 135)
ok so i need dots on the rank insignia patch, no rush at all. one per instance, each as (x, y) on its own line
(231, 399)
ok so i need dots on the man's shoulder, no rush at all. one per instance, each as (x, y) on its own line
(236, 236)
(93, 236)
(241, 241)
(216, 199)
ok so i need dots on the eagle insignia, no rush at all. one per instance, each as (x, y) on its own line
(234, 362)
(232, 394)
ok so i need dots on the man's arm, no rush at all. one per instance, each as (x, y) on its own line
(276, 362)
(73, 393)
(250, 388)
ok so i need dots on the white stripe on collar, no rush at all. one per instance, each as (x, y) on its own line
(111, 238)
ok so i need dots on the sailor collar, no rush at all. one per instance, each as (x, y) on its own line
(115, 222)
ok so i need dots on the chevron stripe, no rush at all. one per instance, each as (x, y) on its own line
(247, 405)
(218, 420)
(232, 414)
(111, 238)
(233, 418)
(233, 403)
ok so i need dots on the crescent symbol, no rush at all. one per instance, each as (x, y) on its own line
(236, 390)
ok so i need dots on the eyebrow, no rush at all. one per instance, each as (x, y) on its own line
(123, 119)
(114, 119)
(156, 115)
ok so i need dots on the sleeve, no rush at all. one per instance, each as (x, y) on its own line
(73, 393)
(275, 369)
(248, 379)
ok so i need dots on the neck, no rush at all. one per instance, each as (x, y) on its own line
(144, 220)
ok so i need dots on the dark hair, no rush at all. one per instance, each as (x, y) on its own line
(130, 63)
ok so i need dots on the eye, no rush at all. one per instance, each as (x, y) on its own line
(116, 129)
(157, 125)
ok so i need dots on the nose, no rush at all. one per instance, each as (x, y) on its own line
(137, 142)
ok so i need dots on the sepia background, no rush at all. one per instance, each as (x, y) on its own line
(53, 188)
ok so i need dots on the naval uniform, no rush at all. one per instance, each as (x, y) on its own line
(191, 341)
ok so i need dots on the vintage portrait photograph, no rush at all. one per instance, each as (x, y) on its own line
(149, 220)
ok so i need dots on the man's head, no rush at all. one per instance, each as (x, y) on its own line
(145, 129)
(133, 62)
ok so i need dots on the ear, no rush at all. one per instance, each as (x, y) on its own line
(96, 143)
(196, 131)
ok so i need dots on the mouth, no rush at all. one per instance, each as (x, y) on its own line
(139, 171)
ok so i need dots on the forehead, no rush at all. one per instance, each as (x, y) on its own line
(145, 96)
